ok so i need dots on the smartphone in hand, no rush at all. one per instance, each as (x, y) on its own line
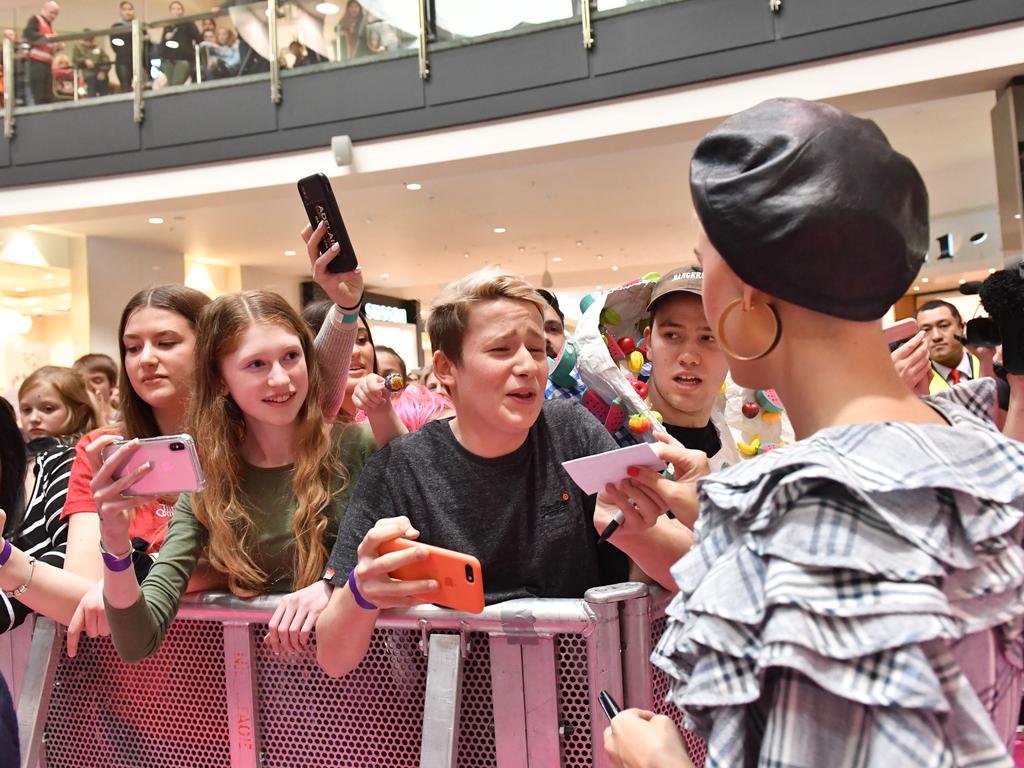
(318, 200)
(460, 580)
(175, 466)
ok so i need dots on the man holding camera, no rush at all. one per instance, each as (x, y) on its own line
(944, 331)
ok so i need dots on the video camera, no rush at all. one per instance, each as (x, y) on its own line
(1002, 296)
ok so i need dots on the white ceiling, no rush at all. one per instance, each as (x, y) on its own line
(625, 198)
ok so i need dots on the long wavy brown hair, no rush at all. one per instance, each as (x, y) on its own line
(218, 426)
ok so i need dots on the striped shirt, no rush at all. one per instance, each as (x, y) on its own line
(841, 587)
(43, 534)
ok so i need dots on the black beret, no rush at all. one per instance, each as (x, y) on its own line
(812, 205)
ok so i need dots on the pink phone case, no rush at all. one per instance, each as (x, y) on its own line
(175, 466)
(900, 331)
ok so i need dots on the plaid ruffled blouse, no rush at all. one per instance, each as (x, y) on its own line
(855, 599)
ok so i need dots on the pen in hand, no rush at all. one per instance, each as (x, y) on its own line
(618, 520)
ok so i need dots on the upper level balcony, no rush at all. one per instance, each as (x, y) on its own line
(285, 75)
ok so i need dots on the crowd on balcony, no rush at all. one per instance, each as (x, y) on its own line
(231, 41)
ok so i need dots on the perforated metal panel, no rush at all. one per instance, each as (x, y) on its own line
(476, 723)
(371, 718)
(574, 700)
(168, 710)
(695, 744)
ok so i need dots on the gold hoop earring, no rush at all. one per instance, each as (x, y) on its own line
(727, 347)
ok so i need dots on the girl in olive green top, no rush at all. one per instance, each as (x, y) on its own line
(278, 476)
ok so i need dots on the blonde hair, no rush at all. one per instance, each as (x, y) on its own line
(449, 316)
(218, 426)
(73, 393)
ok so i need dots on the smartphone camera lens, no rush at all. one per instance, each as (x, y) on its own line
(469, 573)
(177, 446)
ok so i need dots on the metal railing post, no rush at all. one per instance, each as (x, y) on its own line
(138, 74)
(424, 63)
(239, 670)
(588, 27)
(74, 84)
(10, 78)
(275, 61)
(199, 67)
(442, 702)
(34, 704)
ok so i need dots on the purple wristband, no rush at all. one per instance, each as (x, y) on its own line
(361, 601)
(5, 553)
(115, 563)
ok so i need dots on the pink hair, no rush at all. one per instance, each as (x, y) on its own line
(415, 407)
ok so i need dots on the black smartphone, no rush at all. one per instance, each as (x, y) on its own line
(318, 199)
(608, 704)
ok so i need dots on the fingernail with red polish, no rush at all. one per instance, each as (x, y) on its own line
(632, 471)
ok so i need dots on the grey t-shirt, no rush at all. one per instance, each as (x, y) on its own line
(520, 514)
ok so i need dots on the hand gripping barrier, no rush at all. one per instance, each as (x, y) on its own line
(513, 687)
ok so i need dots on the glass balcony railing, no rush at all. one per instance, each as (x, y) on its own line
(257, 40)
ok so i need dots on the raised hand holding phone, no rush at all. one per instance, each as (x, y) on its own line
(322, 211)
(345, 288)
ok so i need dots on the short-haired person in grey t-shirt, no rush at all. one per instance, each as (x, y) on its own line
(488, 482)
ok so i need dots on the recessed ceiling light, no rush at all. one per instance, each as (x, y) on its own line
(992, 271)
(156, 220)
(498, 267)
(326, 8)
(48, 276)
(521, 249)
(384, 275)
(579, 242)
(961, 281)
(412, 186)
(522, 277)
(63, 309)
(615, 267)
(20, 289)
(1016, 215)
(500, 230)
(600, 256)
(556, 259)
(917, 287)
(979, 237)
(924, 279)
(465, 255)
(289, 253)
(597, 287)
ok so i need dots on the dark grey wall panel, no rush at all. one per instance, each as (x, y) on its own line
(86, 131)
(507, 65)
(799, 17)
(208, 113)
(678, 31)
(5, 152)
(348, 92)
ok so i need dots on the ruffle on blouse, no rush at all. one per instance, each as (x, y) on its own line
(850, 557)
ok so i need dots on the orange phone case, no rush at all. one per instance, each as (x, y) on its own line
(459, 576)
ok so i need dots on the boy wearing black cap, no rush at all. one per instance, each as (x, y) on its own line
(687, 366)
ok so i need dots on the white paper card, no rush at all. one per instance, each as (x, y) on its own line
(592, 473)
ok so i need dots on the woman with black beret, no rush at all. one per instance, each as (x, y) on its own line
(854, 599)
